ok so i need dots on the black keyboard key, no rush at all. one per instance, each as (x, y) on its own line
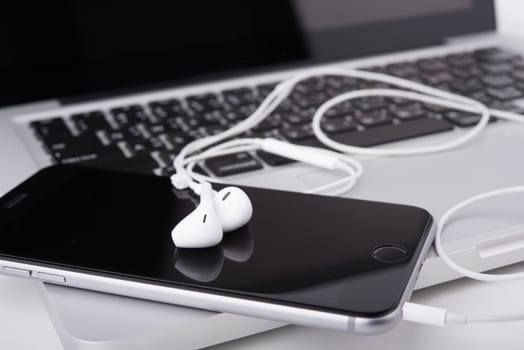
(311, 100)
(408, 112)
(178, 140)
(497, 81)
(239, 97)
(340, 110)
(461, 60)
(505, 94)
(210, 130)
(202, 103)
(519, 75)
(497, 69)
(90, 121)
(298, 118)
(495, 55)
(467, 72)
(437, 78)
(375, 118)
(462, 119)
(273, 159)
(167, 108)
(339, 84)
(130, 115)
(79, 154)
(311, 85)
(480, 96)
(338, 125)
(466, 86)
(232, 164)
(73, 145)
(370, 103)
(51, 130)
(392, 132)
(298, 133)
(432, 65)
(403, 69)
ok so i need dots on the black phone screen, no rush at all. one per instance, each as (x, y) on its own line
(310, 251)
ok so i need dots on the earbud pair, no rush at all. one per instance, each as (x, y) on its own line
(223, 211)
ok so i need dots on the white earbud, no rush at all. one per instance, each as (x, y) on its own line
(227, 210)
(233, 208)
(201, 228)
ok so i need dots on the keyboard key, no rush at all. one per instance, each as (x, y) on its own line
(298, 118)
(80, 144)
(480, 96)
(432, 65)
(403, 69)
(466, 86)
(462, 119)
(342, 109)
(310, 100)
(239, 97)
(232, 164)
(495, 55)
(53, 129)
(437, 78)
(202, 103)
(273, 159)
(496, 69)
(375, 118)
(519, 75)
(90, 121)
(408, 112)
(311, 85)
(299, 132)
(497, 80)
(369, 103)
(467, 72)
(130, 115)
(461, 60)
(339, 84)
(392, 132)
(505, 94)
(338, 125)
(81, 154)
(167, 108)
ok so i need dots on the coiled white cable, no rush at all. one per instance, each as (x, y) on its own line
(208, 147)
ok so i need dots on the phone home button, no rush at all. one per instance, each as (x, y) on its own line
(390, 253)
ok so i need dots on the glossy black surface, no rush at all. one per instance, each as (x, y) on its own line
(302, 250)
(74, 48)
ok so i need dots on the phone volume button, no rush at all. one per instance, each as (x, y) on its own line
(49, 277)
(14, 271)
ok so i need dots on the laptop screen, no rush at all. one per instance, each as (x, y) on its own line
(76, 48)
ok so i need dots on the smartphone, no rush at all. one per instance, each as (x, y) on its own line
(305, 259)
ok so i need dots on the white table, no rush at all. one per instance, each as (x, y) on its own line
(24, 322)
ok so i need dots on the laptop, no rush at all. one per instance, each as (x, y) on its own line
(127, 86)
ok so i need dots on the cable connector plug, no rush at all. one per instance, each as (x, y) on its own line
(430, 315)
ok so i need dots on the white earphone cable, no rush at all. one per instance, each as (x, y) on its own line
(192, 153)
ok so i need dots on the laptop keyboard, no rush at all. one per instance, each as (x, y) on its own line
(145, 138)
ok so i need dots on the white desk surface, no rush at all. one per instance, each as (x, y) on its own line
(24, 323)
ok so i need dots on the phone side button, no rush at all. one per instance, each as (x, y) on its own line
(16, 272)
(48, 277)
